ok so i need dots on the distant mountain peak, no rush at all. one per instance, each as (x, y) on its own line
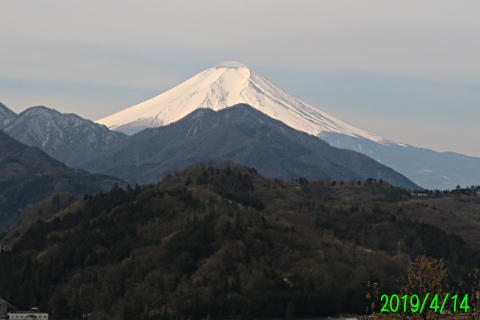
(222, 86)
(244, 135)
(65, 136)
(5, 112)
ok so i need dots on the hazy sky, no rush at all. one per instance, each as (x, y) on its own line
(404, 70)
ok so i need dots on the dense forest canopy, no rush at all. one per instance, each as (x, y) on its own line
(220, 240)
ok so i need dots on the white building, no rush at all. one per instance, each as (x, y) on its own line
(33, 314)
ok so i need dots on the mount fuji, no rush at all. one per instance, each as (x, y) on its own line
(222, 86)
(230, 83)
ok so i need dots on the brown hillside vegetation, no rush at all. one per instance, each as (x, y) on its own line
(223, 241)
(458, 214)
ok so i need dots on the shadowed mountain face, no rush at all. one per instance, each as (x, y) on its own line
(5, 113)
(240, 134)
(28, 175)
(66, 137)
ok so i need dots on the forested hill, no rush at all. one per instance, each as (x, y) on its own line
(241, 134)
(28, 175)
(223, 241)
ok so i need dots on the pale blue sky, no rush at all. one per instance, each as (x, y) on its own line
(404, 70)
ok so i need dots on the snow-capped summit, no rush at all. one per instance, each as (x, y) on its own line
(224, 85)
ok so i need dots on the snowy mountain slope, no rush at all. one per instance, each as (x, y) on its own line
(222, 86)
(5, 112)
(230, 83)
(428, 168)
(66, 137)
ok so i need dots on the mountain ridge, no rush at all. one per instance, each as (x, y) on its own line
(65, 136)
(229, 83)
(5, 112)
(223, 86)
(243, 135)
(28, 175)
(429, 168)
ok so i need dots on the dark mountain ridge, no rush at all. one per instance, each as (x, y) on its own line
(243, 135)
(28, 175)
(66, 137)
